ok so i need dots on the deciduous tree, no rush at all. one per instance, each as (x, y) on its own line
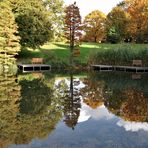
(138, 10)
(94, 26)
(33, 20)
(56, 16)
(117, 23)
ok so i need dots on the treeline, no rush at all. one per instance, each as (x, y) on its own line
(127, 22)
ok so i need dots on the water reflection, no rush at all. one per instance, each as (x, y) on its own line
(70, 100)
(92, 93)
(33, 106)
(26, 110)
(35, 96)
(121, 95)
(9, 109)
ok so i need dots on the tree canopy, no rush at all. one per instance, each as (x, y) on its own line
(33, 21)
(94, 26)
(138, 28)
(116, 24)
(56, 15)
(129, 20)
(125, 22)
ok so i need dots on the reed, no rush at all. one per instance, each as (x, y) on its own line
(120, 55)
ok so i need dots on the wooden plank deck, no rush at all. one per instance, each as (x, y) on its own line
(120, 68)
(34, 67)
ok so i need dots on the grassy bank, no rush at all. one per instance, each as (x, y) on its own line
(57, 54)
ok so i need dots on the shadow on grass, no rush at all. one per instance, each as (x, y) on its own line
(64, 46)
(55, 54)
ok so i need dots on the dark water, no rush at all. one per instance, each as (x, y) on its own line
(89, 110)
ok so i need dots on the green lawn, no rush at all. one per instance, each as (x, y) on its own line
(59, 52)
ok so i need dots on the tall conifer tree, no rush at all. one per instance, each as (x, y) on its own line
(9, 40)
(72, 27)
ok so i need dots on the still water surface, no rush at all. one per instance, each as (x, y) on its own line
(91, 110)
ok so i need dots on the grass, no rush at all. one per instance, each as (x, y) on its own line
(58, 53)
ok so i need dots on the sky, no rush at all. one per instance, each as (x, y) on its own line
(86, 6)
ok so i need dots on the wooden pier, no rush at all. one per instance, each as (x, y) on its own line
(34, 67)
(120, 68)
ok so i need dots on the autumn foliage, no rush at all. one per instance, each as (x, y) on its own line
(73, 26)
(125, 22)
(94, 26)
(138, 11)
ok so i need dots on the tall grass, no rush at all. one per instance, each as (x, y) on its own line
(120, 55)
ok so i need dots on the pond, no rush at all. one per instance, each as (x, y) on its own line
(69, 110)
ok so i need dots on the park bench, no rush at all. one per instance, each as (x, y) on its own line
(37, 60)
(137, 62)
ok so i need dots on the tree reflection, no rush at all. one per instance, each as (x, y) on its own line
(72, 106)
(38, 110)
(121, 95)
(28, 110)
(35, 96)
(9, 108)
(130, 104)
(113, 100)
(92, 93)
(71, 101)
(135, 108)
